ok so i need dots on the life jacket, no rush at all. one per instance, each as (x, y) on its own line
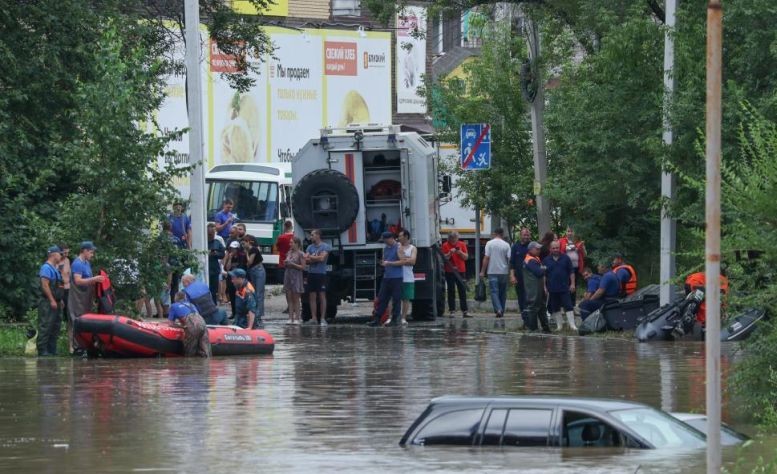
(698, 281)
(630, 286)
(105, 297)
(204, 302)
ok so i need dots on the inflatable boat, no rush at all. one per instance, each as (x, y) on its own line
(119, 336)
(740, 327)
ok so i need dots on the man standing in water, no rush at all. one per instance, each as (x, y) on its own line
(560, 283)
(534, 281)
(82, 288)
(391, 285)
(52, 290)
(315, 256)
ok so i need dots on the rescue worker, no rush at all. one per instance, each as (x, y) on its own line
(195, 332)
(609, 290)
(51, 294)
(697, 281)
(560, 283)
(534, 285)
(245, 301)
(627, 276)
(81, 296)
(198, 294)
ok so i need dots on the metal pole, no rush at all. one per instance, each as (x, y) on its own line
(668, 224)
(477, 244)
(712, 244)
(194, 106)
(538, 132)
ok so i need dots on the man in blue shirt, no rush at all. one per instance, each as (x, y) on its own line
(51, 293)
(216, 252)
(316, 255)
(198, 294)
(81, 296)
(196, 341)
(560, 282)
(517, 254)
(591, 281)
(391, 286)
(181, 224)
(225, 219)
(609, 289)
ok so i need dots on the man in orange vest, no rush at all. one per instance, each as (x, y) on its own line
(626, 274)
(697, 281)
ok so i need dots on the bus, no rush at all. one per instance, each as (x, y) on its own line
(262, 197)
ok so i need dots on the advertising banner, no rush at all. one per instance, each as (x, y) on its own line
(411, 60)
(276, 8)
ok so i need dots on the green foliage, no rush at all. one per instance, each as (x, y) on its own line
(506, 189)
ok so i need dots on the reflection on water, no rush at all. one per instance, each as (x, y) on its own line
(331, 399)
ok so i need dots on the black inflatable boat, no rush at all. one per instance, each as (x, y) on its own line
(740, 327)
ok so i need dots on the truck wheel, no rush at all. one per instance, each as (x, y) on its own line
(325, 182)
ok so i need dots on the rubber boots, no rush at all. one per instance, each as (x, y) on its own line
(559, 320)
(571, 320)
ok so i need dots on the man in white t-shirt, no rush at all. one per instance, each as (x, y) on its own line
(496, 264)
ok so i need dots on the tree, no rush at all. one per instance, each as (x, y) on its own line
(77, 78)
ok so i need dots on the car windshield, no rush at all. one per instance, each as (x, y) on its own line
(728, 436)
(255, 201)
(660, 429)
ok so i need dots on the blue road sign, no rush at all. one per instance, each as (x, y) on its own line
(475, 146)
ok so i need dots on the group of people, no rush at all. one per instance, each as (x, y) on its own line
(545, 275)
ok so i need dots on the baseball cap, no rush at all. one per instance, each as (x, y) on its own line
(234, 244)
(534, 245)
(88, 245)
(238, 272)
(54, 249)
(387, 235)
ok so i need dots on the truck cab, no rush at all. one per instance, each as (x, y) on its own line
(262, 197)
(356, 182)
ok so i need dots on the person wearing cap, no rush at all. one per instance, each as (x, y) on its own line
(51, 293)
(235, 259)
(245, 301)
(196, 340)
(181, 224)
(82, 287)
(609, 290)
(534, 285)
(316, 255)
(391, 285)
(517, 254)
(627, 276)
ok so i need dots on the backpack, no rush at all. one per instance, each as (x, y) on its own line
(105, 296)
(594, 323)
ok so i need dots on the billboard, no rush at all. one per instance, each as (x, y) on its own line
(316, 78)
(276, 8)
(411, 60)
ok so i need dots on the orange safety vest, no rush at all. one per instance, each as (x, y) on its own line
(528, 258)
(630, 286)
(698, 281)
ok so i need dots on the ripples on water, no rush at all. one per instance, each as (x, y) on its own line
(336, 399)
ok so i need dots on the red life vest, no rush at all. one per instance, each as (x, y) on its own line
(698, 281)
(630, 286)
(528, 258)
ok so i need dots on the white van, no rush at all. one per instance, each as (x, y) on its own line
(262, 197)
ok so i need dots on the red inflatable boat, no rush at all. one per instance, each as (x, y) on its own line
(118, 336)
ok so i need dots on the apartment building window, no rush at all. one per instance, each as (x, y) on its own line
(346, 7)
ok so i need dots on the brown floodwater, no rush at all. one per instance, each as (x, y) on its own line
(339, 399)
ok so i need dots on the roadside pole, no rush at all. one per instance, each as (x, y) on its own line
(712, 250)
(538, 131)
(668, 224)
(477, 245)
(194, 106)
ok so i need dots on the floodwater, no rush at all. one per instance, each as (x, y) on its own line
(337, 399)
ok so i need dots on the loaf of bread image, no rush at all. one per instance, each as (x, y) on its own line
(355, 109)
(240, 137)
(237, 144)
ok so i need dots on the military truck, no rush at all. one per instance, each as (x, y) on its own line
(353, 184)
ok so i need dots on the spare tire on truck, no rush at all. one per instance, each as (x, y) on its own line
(325, 199)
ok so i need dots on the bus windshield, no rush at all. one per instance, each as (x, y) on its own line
(255, 201)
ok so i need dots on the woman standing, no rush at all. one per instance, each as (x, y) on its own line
(256, 274)
(407, 255)
(292, 280)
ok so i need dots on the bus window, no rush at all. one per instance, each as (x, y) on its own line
(255, 201)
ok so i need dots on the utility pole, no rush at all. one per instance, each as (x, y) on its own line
(668, 224)
(194, 107)
(537, 128)
(712, 240)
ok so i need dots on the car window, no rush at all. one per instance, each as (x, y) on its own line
(527, 428)
(660, 429)
(582, 430)
(492, 434)
(454, 427)
(728, 436)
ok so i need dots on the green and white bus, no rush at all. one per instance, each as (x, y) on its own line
(262, 197)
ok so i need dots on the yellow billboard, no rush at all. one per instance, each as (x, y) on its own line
(274, 8)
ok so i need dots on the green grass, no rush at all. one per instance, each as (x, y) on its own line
(13, 339)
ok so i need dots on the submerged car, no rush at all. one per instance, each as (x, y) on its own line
(728, 435)
(549, 422)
